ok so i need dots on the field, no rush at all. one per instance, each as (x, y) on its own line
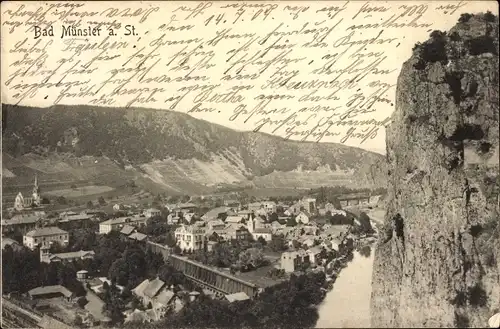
(80, 191)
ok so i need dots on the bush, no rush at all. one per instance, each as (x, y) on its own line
(82, 302)
(453, 80)
(461, 321)
(78, 321)
(489, 17)
(464, 18)
(481, 45)
(455, 36)
(61, 200)
(432, 51)
(435, 49)
(477, 296)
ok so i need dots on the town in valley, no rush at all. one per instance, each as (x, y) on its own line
(151, 258)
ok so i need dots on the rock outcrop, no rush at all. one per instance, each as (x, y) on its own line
(438, 263)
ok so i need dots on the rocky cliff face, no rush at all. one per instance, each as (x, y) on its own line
(438, 262)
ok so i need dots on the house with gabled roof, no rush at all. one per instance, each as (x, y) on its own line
(117, 224)
(22, 222)
(152, 212)
(45, 237)
(47, 257)
(156, 293)
(303, 217)
(234, 219)
(127, 230)
(50, 292)
(138, 236)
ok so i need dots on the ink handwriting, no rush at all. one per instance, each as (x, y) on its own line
(305, 71)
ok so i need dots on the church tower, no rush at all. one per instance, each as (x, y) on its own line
(19, 202)
(36, 192)
(251, 224)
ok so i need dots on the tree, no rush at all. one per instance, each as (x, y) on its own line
(78, 321)
(61, 200)
(90, 205)
(365, 222)
(73, 186)
(262, 241)
(176, 250)
(170, 240)
(131, 268)
(277, 243)
(291, 222)
(101, 201)
(251, 258)
(275, 273)
(214, 237)
(82, 301)
(273, 217)
(45, 201)
(336, 203)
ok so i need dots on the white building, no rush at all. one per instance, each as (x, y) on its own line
(190, 237)
(215, 225)
(118, 207)
(235, 219)
(116, 224)
(188, 216)
(259, 232)
(303, 217)
(45, 237)
(152, 212)
(21, 202)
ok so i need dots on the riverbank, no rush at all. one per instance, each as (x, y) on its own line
(347, 303)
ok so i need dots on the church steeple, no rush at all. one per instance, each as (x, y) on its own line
(36, 192)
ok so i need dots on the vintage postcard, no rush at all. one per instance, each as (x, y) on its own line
(241, 164)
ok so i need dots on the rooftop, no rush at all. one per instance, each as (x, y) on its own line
(48, 322)
(239, 296)
(186, 205)
(74, 254)
(164, 297)
(190, 229)
(44, 231)
(234, 219)
(122, 220)
(8, 242)
(139, 290)
(22, 219)
(127, 229)
(69, 218)
(44, 290)
(214, 213)
(153, 287)
(262, 230)
(138, 236)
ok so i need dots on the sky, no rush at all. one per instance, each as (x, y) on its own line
(34, 62)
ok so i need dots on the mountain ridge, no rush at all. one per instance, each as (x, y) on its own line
(147, 139)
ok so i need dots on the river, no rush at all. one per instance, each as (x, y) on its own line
(347, 305)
